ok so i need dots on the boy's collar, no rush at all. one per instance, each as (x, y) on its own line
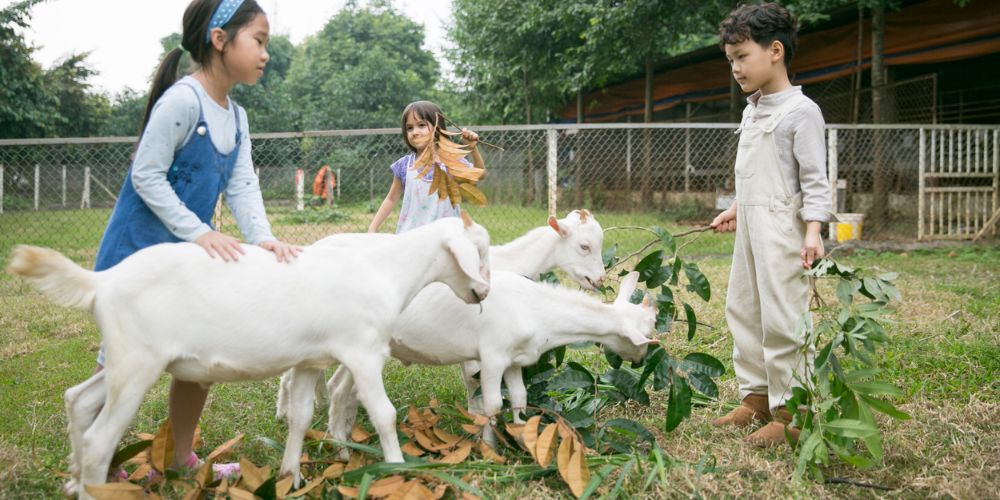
(756, 97)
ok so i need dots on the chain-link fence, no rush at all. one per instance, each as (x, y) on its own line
(60, 193)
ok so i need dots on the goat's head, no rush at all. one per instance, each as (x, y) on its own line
(638, 322)
(579, 249)
(468, 246)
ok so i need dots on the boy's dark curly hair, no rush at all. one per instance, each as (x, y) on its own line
(763, 24)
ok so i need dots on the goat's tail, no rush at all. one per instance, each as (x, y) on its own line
(57, 277)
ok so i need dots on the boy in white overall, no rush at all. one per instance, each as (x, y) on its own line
(782, 199)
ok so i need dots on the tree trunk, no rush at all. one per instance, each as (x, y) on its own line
(647, 136)
(880, 180)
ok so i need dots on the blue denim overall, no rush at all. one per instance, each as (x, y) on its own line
(198, 174)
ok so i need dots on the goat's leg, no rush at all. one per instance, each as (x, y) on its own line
(281, 405)
(83, 402)
(516, 390)
(367, 375)
(126, 385)
(490, 374)
(469, 370)
(301, 391)
(343, 408)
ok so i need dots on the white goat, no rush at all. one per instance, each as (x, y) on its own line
(519, 321)
(572, 244)
(171, 308)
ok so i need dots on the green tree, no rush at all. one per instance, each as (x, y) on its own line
(127, 108)
(360, 70)
(27, 108)
(82, 112)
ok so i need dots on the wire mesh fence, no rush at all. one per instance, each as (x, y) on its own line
(59, 193)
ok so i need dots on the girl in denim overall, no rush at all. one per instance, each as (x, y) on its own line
(193, 147)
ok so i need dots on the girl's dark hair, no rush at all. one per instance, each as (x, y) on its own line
(763, 24)
(428, 112)
(196, 18)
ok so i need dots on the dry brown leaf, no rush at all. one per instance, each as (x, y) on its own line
(308, 487)
(440, 490)
(416, 419)
(139, 459)
(430, 442)
(459, 454)
(240, 494)
(473, 194)
(153, 496)
(412, 490)
(348, 491)
(224, 449)
(140, 472)
(282, 487)
(116, 491)
(446, 437)
(546, 445)
(359, 435)
(334, 471)
(530, 434)
(469, 496)
(489, 454)
(384, 487)
(162, 451)
(253, 476)
(316, 434)
(192, 494)
(436, 183)
(433, 403)
(465, 413)
(196, 440)
(204, 475)
(565, 431)
(413, 450)
(144, 436)
(357, 460)
(562, 458)
(579, 474)
(515, 430)
(472, 429)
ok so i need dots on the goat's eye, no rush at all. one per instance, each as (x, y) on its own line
(585, 248)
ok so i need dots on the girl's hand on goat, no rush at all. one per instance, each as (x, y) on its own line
(285, 252)
(223, 245)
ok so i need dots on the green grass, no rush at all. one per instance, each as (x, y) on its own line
(945, 354)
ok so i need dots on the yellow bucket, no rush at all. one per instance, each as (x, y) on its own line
(849, 227)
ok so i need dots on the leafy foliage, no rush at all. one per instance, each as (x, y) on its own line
(840, 394)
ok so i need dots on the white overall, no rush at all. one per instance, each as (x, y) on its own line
(419, 207)
(768, 293)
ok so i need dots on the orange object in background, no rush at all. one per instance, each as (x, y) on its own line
(320, 187)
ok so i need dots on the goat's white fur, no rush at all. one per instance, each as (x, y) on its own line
(572, 244)
(172, 308)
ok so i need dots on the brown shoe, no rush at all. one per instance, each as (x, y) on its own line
(753, 409)
(773, 434)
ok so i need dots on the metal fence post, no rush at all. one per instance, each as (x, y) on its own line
(553, 173)
(340, 180)
(832, 167)
(64, 186)
(37, 174)
(1, 189)
(922, 167)
(299, 190)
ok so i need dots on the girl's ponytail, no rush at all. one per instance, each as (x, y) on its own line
(166, 75)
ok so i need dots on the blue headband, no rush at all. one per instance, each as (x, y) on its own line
(223, 13)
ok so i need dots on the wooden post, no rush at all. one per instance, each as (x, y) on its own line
(552, 167)
(339, 182)
(37, 175)
(833, 172)
(329, 179)
(300, 204)
(64, 186)
(85, 199)
(922, 164)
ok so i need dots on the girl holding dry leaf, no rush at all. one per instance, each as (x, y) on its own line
(434, 171)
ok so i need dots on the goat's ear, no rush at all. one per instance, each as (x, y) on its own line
(559, 228)
(467, 257)
(467, 219)
(648, 303)
(627, 287)
(638, 339)
(584, 213)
